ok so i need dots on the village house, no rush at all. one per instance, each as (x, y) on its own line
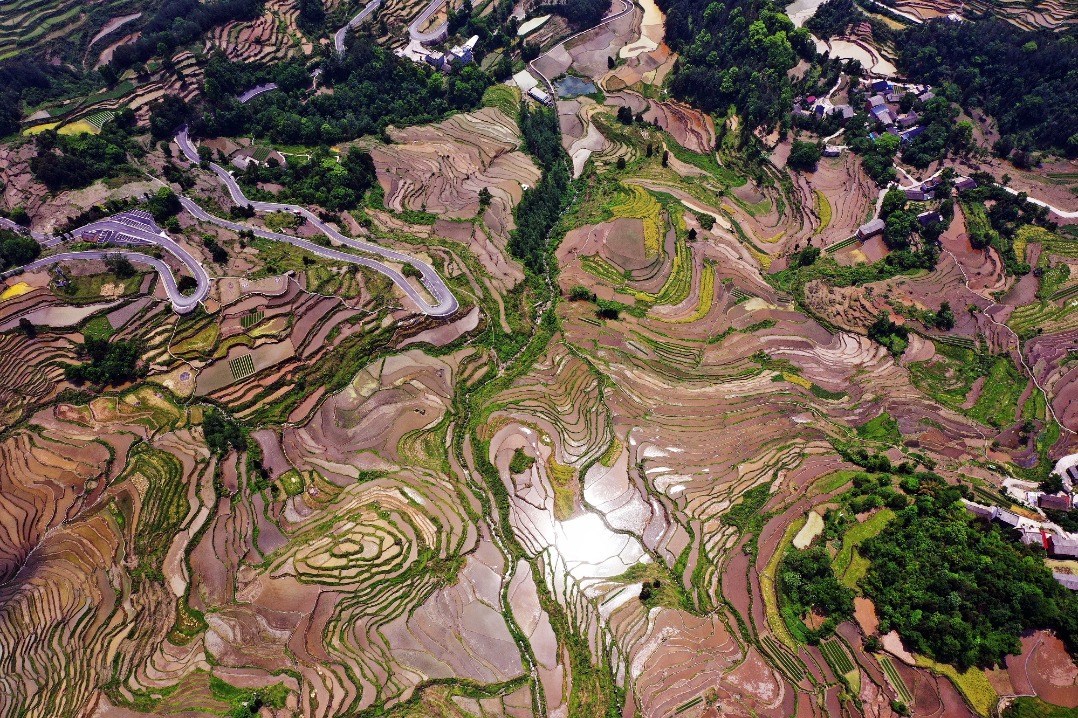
(918, 194)
(930, 217)
(1055, 502)
(965, 183)
(871, 229)
(908, 120)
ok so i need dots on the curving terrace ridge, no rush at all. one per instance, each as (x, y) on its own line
(445, 303)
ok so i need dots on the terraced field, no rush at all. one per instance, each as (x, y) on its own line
(27, 24)
(581, 494)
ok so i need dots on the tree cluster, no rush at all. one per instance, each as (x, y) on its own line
(180, 22)
(107, 362)
(807, 582)
(17, 249)
(893, 336)
(74, 161)
(222, 432)
(735, 52)
(955, 588)
(541, 205)
(372, 88)
(1023, 79)
(804, 156)
(321, 180)
(580, 13)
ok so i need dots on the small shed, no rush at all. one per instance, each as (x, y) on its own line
(539, 96)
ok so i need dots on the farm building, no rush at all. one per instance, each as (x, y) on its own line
(965, 184)
(539, 96)
(871, 229)
(911, 133)
(918, 194)
(908, 120)
(832, 151)
(884, 116)
(1062, 546)
(873, 102)
(462, 54)
(930, 217)
(1055, 502)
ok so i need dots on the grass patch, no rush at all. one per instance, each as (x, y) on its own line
(895, 678)
(505, 98)
(245, 702)
(770, 589)
(821, 393)
(948, 377)
(277, 221)
(849, 565)
(88, 288)
(97, 328)
(658, 589)
(707, 297)
(972, 684)
(612, 453)
(1026, 707)
(158, 477)
(883, 428)
(251, 318)
(635, 202)
(823, 208)
(562, 478)
(292, 482)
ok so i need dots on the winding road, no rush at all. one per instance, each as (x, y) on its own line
(444, 301)
(435, 33)
(135, 228)
(338, 37)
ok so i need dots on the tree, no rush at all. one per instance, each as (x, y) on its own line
(580, 293)
(611, 63)
(27, 327)
(163, 204)
(807, 256)
(945, 317)
(900, 225)
(120, 266)
(621, 163)
(109, 362)
(804, 156)
(625, 115)
(893, 201)
(17, 249)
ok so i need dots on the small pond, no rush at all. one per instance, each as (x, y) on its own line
(573, 86)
